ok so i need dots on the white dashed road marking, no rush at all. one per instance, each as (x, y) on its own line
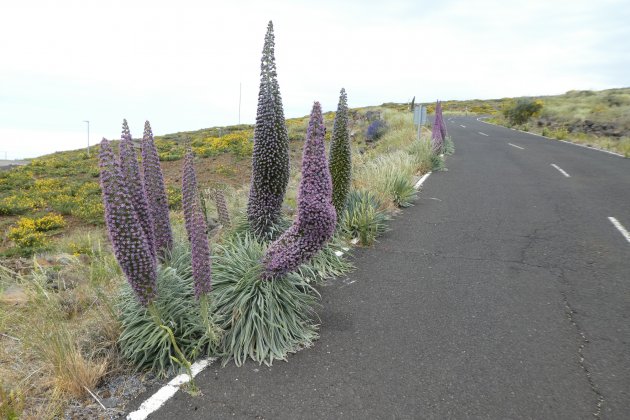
(620, 228)
(518, 147)
(421, 180)
(483, 134)
(562, 171)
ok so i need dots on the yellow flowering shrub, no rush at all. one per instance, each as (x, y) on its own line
(174, 196)
(90, 210)
(19, 203)
(49, 222)
(238, 142)
(28, 233)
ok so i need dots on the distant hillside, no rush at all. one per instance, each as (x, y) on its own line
(67, 183)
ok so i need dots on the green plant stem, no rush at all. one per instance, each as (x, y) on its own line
(204, 310)
(181, 359)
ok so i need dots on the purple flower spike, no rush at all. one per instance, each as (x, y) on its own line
(441, 119)
(131, 171)
(437, 132)
(196, 228)
(130, 244)
(155, 192)
(270, 159)
(316, 218)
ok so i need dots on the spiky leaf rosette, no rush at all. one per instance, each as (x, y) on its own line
(142, 341)
(130, 244)
(196, 228)
(316, 218)
(131, 172)
(363, 218)
(262, 320)
(156, 192)
(340, 155)
(270, 159)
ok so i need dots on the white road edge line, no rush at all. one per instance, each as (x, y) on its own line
(462, 126)
(620, 228)
(163, 394)
(562, 171)
(483, 134)
(518, 147)
(480, 119)
(421, 180)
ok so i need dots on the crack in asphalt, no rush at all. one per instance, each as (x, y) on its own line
(570, 315)
(558, 271)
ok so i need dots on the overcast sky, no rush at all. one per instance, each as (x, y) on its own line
(179, 63)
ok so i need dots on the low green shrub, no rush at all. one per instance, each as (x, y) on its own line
(401, 189)
(420, 152)
(18, 204)
(363, 218)
(389, 178)
(449, 146)
(437, 163)
(11, 403)
(169, 156)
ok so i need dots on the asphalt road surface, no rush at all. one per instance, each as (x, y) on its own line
(503, 293)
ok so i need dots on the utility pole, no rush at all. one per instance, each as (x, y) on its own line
(88, 133)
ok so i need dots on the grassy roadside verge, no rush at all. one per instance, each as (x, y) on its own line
(58, 314)
(620, 146)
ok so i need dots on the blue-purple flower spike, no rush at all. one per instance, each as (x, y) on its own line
(155, 192)
(270, 159)
(440, 115)
(196, 228)
(131, 247)
(437, 138)
(131, 172)
(316, 218)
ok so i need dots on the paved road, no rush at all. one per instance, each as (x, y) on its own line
(503, 293)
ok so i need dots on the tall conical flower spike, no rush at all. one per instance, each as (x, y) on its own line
(130, 245)
(156, 192)
(270, 159)
(316, 218)
(131, 172)
(340, 155)
(196, 228)
(437, 140)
